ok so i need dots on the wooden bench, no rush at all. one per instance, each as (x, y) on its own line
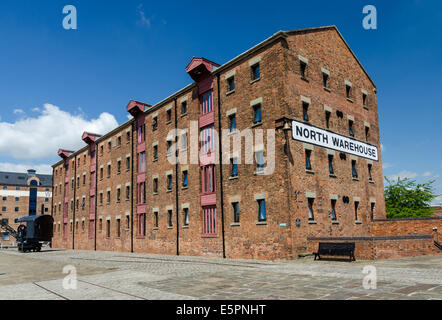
(336, 249)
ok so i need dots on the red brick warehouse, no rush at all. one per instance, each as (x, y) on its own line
(124, 192)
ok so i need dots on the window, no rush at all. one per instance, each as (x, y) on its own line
(78, 182)
(101, 150)
(141, 135)
(128, 163)
(155, 185)
(169, 148)
(141, 193)
(311, 215)
(108, 228)
(353, 169)
(356, 210)
(169, 182)
(325, 79)
(170, 218)
(109, 146)
(108, 170)
(154, 123)
(186, 216)
(183, 107)
(119, 166)
(16, 209)
(142, 162)
(308, 164)
(83, 203)
(234, 164)
(350, 128)
(235, 208)
(101, 198)
(206, 137)
(303, 69)
(257, 118)
(367, 133)
(17, 199)
(255, 72)
(127, 192)
(185, 179)
(101, 173)
(348, 91)
(305, 106)
(155, 215)
(206, 102)
(142, 224)
(3, 209)
(108, 196)
(84, 179)
(119, 141)
(262, 210)
(127, 136)
(327, 119)
(169, 115)
(100, 224)
(209, 221)
(155, 153)
(78, 203)
(73, 183)
(259, 158)
(208, 179)
(184, 141)
(330, 165)
(231, 84)
(364, 99)
(333, 209)
(370, 177)
(82, 225)
(372, 210)
(118, 195)
(118, 228)
(127, 222)
(232, 122)
(84, 159)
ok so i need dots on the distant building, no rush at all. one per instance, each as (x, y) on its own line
(23, 194)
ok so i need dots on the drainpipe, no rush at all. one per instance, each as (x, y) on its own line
(52, 202)
(75, 194)
(176, 184)
(96, 198)
(221, 167)
(132, 189)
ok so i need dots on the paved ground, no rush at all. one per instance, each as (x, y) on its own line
(115, 275)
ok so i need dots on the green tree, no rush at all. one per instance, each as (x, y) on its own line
(405, 198)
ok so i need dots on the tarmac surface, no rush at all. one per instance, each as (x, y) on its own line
(91, 275)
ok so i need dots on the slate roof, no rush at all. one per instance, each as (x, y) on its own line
(20, 179)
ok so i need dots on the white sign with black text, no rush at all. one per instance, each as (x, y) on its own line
(323, 138)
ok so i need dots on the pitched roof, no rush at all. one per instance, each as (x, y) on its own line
(21, 179)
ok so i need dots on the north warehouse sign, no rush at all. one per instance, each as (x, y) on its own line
(323, 138)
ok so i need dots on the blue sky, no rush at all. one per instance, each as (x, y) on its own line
(139, 49)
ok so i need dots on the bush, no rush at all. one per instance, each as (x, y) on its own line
(405, 198)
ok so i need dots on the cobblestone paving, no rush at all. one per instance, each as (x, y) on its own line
(115, 275)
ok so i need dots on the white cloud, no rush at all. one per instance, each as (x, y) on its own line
(36, 109)
(53, 128)
(23, 167)
(403, 174)
(143, 21)
(129, 117)
(427, 174)
(18, 111)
